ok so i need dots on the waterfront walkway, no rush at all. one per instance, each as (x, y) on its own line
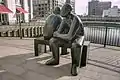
(17, 62)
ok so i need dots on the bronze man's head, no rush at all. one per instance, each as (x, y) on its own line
(57, 10)
(66, 10)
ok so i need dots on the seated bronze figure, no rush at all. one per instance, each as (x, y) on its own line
(52, 23)
(70, 31)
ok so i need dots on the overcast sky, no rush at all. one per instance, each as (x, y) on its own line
(82, 5)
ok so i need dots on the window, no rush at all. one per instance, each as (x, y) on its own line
(17, 1)
(93, 11)
(39, 8)
(2, 1)
(39, 5)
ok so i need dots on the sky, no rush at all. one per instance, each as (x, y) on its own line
(82, 5)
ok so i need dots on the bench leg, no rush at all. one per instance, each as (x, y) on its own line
(76, 58)
(45, 49)
(50, 48)
(76, 55)
(35, 48)
(63, 50)
(84, 56)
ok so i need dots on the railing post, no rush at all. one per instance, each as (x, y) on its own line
(20, 29)
(106, 28)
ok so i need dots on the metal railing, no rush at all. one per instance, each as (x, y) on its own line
(103, 35)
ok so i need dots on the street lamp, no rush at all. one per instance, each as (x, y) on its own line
(19, 20)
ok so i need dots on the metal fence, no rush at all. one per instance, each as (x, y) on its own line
(103, 35)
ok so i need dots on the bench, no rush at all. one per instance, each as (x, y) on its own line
(42, 41)
(38, 41)
(84, 55)
(81, 49)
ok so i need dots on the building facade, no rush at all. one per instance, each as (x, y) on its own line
(95, 7)
(13, 4)
(42, 8)
(112, 12)
(3, 17)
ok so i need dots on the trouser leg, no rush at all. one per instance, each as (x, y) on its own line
(63, 50)
(76, 54)
(76, 58)
(53, 43)
(55, 49)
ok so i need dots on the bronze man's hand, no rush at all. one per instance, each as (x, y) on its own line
(55, 34)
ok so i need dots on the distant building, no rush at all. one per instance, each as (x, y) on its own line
(42, 8)
(112, 12)
(72, 2)
(96, 8)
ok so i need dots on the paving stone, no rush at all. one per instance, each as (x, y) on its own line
(85, 78)
(10, 76)
(109, 77)
(1, 72)
(69, 78)
(90, 74)
(103, 71)
(35, 76)
(13, 69)
(46, 70)
(14, 61)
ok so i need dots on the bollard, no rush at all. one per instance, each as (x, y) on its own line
(23, 32)
(42, 30)
(27, 32)
(31, 32)
(12, 33)
(34, 32)
(8, 33)
(4, 34)
(17, 33)
(0, 34)
(38, 32)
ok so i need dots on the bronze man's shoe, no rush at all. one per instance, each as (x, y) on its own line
(65, 53)
(74, 70)
(52, 62)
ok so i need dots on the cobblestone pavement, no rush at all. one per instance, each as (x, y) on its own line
(17, 62)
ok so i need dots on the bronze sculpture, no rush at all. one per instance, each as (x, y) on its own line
(52, 23)
(70, 31)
